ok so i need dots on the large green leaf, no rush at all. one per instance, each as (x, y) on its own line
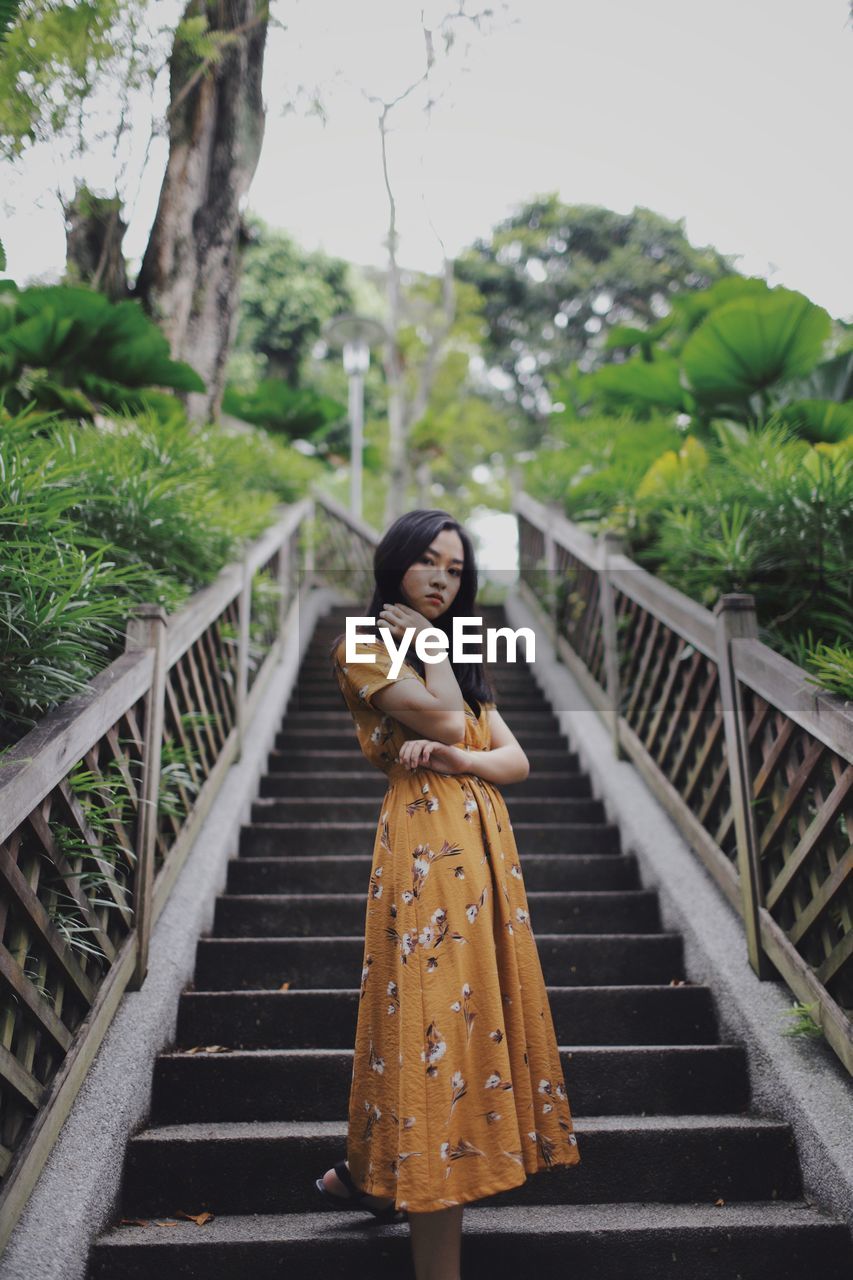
(86, 341)
(38, 340)
(831, 380)
(751, 343)
(655, 382)
(52, 395)
(819, 419)
(692, 308)
(138, 353)
(626, 335)
(296, 411)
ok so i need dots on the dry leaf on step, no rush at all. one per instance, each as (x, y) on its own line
(199, 1218)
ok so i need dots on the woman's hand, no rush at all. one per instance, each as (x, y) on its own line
(421, 753)
(397, 617)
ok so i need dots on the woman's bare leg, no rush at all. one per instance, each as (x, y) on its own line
(437, 1243)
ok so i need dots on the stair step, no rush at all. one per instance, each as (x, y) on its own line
(333, 700)
(594, 1015)
(369, 781)
(229, 964)
(307, 915)
(350, 873)
(270, 839)
(363, 808)
(270, 1166)
(747, 1240)
(350, 758)
(318, 739)
(309, 1084)
(541, 721)
(313, 679)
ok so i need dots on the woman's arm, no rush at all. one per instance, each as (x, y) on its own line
(505, 762)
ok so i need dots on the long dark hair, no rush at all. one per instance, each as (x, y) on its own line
(401, 545)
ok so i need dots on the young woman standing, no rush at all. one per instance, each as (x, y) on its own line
(457, 1090)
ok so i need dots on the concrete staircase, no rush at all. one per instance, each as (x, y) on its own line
(677, 1178)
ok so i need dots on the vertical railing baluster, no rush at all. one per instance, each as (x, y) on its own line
(609, 545)
(146, 629)
(736, 618)
(551, 585)
(244, 615)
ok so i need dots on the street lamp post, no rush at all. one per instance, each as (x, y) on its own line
(356, 333)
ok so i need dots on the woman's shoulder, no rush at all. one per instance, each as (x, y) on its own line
(363, 647)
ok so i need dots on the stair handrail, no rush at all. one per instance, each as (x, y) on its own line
(112, 787)
(343, 548)
(753, 763)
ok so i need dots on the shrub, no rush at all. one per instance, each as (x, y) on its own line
(97, 516)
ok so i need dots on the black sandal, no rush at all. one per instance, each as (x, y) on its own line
(356, 1198)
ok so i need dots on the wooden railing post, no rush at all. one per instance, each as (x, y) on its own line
(310, 541)
(244, 615)
(146, 629)
(610, 544)
(283, 579)
(736, 618)
(551, 585)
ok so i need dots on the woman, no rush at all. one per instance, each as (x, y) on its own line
(457, 1090)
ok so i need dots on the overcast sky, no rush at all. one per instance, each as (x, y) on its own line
(735, 116)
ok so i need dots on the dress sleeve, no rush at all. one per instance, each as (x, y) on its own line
(366, 679)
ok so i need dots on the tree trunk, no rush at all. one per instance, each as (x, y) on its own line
(190, 275)
(93, 240)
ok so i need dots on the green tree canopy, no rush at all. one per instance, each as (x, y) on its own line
(555, 278)
(286, 295)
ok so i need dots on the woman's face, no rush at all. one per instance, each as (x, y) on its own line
(437, 571)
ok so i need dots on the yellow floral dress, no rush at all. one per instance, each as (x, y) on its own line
(457, 1090)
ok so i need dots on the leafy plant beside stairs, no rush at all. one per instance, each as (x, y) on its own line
(763, 512)
(719, 443)
(97, 516)
(69, 348)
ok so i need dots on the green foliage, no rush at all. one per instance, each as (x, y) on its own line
(819, 419)
(761, 512)
(286, 295)
(69, 348)
(770, 515)
(96, 517)
(557, 279)
(56, 58)
(594, 465)
(8, 14)
(802, 1021)
(738, 349)
(750, 344)
(294, 412)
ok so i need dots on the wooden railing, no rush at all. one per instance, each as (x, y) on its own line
(343, 549)
(752, 761)
(99, 806)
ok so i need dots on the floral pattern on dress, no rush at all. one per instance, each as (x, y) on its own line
(457, 1089)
